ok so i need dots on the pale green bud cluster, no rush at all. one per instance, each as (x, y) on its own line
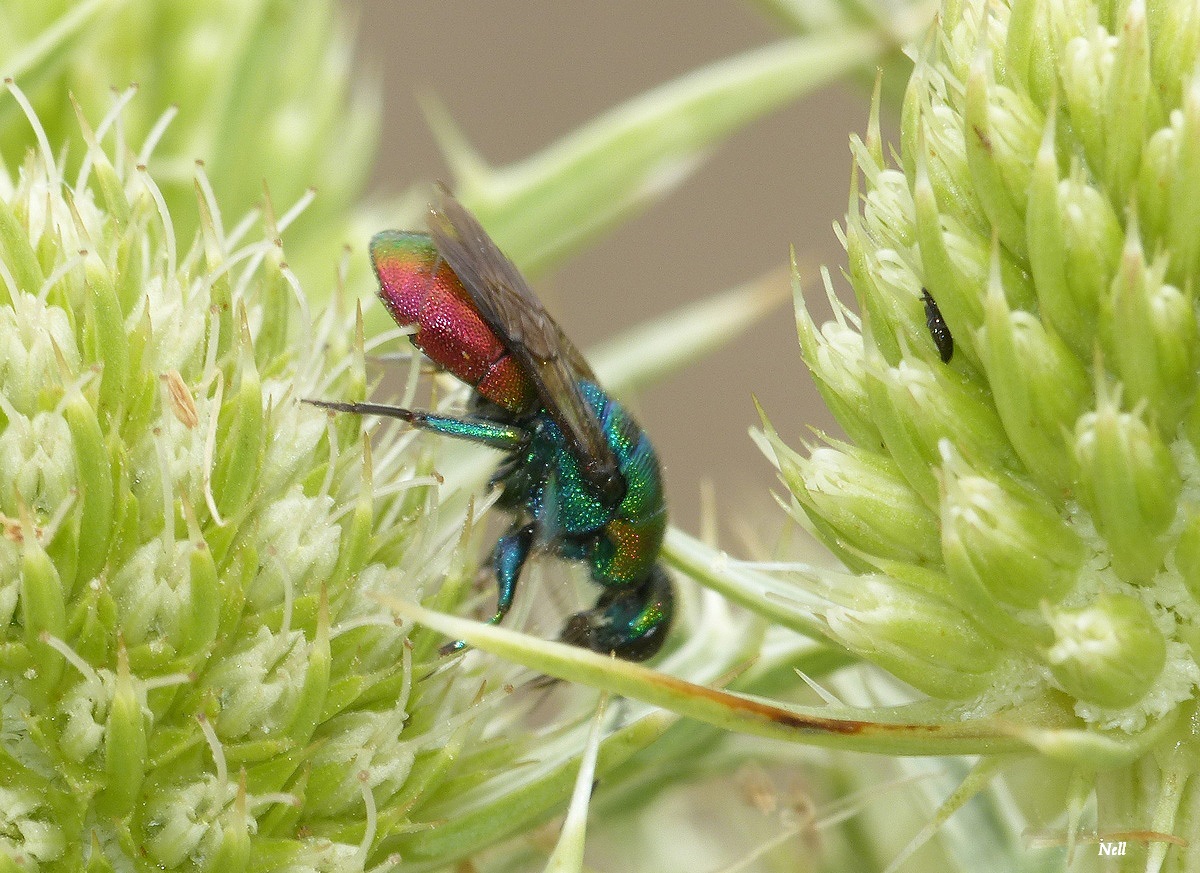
(1024, 516)
(194, 674)
(259, 90)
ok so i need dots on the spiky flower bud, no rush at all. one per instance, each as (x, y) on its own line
(1006, 538)
(1109, 652)
(863, 502)
(915, 634)
(1045, 200)
(1128, 481)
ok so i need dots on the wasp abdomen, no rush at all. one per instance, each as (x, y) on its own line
(633, 537)
(450, 330)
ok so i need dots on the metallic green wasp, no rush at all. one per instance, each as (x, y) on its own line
(580, 478)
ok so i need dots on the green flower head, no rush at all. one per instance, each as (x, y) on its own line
(1045, 467)
(1021, 512)
(195, 669)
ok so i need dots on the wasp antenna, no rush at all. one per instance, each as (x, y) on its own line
(365, 409)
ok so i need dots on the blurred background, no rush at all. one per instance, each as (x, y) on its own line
(514, 78)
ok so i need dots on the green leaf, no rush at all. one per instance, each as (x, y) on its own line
(654, 349)
(541, 209)
(927, 728)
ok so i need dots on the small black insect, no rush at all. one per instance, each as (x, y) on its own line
(937, 327)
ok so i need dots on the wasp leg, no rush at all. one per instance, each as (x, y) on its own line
(477, 430)
(508, 558)
(630, 622)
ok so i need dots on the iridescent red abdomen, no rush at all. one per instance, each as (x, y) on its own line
(419, 288)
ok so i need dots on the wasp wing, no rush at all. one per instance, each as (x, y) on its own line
(510, 308)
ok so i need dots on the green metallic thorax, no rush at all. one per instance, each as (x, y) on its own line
(554, 508)
(620, 542)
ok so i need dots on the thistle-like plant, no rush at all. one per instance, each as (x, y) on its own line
(197, 671)
(1020, 520)
(1017, 514)
(194, 675)
(197, 668)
